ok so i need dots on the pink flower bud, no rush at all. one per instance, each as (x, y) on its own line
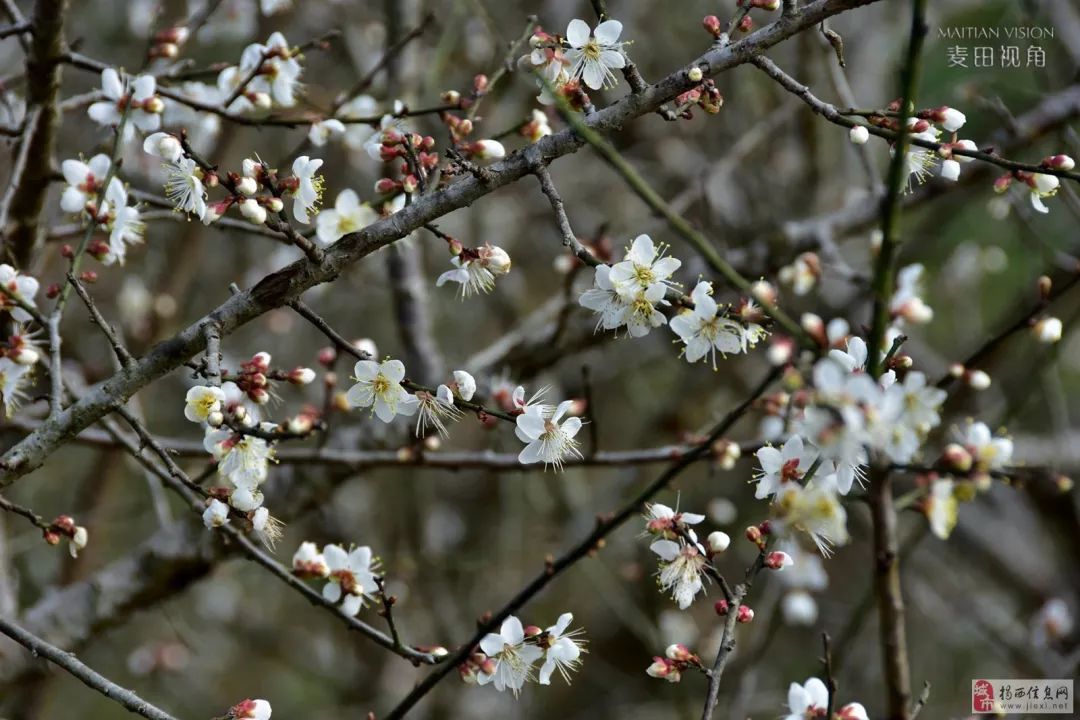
(301, 376)
(532, 631)
(745, 614)
(1060, 162)
(327, 356)
(753, 534)
(956, 457)
(712, 25)
(777, 560)
(678, 652)
(385, 186)
(721, 607)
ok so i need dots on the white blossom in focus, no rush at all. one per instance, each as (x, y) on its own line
(704, 331)
(202, 400)
(378, 386)
(514, 658)
(352, 576)
(595, 55)
(546, 439)
(562, 650)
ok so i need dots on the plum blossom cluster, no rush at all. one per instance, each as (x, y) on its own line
(585, 55)
(98, 197)
(676, 660)
(268, 76)
(188, 181)
(64, 527)
(508, 659)
(241, 444)
(632, 292)
(131, 102)
(932, 150)
(352, 576)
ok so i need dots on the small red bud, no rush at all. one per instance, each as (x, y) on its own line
(745, 614)
(721, 607)
(52, 291)
(66, 251)
(712, 25)
(327, 356)
(88, 276)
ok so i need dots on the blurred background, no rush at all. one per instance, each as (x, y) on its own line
(156, 604)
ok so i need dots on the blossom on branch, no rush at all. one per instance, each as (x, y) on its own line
(595, 54)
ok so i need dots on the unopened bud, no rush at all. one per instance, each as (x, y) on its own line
(153, 105)
(215, 419)
(859, 134)
(753, 534)
(247, 186)
(88, 276)
(301, 376)
(721, 607)
(718, 541)
(1060, 162)
(694, 74)
(1048, 330)
(253, 211)
(978, 380)
(678, 652)
(745, 614)
(956, 457)
(777, 560)
(532, 631)
(327, 356)
(712, 25)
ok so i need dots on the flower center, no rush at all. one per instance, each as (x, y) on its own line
(644, 275)
(380, 385)
(592, 49)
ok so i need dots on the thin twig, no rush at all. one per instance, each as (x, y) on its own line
(122, 355)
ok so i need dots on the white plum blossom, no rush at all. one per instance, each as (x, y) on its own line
(703, 331)
(308, 192)
(324, 131)
(378, 386)
(279, 75)
(435, 410)
(644, 268)
(988, 452)
(13, 377)
(15, 286)
(144, 107)
(251, 710)
(562, 651)
(681, 566)
(244, 461)
(810, 700)
(941, 508)
(476, 269)
(595, 54)
(1043, 186)
(163, 145)
(84, 182)
(357, 134)
(348, 215)
(919, 160)
(216, 514)
(906, 303)
(184, 187)
(546, 439)
(514, 658)
(605, 300)
(778, 467)
(124, 223)
(78, 540)
(465, 384)
(859, 134)
(352, 576)
(201, 401)
(814, 509)
(309, 562)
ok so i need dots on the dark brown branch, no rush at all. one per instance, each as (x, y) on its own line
(43, 90)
